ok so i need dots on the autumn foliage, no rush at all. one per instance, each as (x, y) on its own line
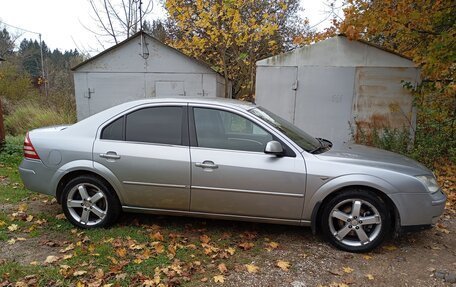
(424, 31)
(233, 35)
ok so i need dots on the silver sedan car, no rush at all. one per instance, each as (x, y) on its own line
(227, 159)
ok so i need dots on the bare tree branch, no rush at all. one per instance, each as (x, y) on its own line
(117, 19)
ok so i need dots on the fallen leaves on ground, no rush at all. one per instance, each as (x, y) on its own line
(13, 227)
(252, 268)
(246, 245)
(348, 270)
(271, 246)
(51, 259)
(284, 265)
(219, 279)
(390, 247)
(222, 268)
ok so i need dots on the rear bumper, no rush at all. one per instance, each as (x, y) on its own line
(36, 176)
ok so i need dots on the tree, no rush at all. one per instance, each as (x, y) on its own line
(117, 20)
(29, 52)
(231, 35)
(424, 30)
(6, 43)
(160, 29)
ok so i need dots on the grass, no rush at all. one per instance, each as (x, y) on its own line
(99, 248)
(30, 116)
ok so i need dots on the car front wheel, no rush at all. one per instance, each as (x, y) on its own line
(89, 202)
(355, 220)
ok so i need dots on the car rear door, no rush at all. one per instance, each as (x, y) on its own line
(147, 150)
(231, 174)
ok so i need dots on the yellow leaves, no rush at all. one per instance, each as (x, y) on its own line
(271, 246)
(22, 207)
(121, 252)
(246, 245)
(390, 247)
(172, 249)
(208, 249)
(67, 256)
(205, 239)
(135, 246)
(370, 277)
(79, 273)
(252, 268)
(13, 240)
(68, 248)
(284, 265)
(230, 250)
(159, 247)
(51, 259)
(29, 218)
(440, 227)
(2, 223)
(222, 268)
(338, 285)
(348, 270)
(157, 236)
(367, 257)
(13, 227)
(219, 279)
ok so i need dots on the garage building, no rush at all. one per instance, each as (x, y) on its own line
(141, 67)
(336, 87)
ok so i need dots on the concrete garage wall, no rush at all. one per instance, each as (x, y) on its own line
(332, 88)
(128, 72)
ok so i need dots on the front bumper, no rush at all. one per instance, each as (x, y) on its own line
(419, 209)
(36, 176)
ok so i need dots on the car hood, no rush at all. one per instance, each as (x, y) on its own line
(373, 157)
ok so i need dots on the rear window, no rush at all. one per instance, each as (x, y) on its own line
(114, 131)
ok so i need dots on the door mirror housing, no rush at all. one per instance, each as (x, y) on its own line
(274, 147)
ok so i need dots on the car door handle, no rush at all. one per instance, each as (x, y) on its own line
(206, 164)
(110, 155)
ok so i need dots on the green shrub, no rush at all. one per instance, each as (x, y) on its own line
(11, 150)
(30, 116)
(395, 140)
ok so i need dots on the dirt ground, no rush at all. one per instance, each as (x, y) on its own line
(416, 259)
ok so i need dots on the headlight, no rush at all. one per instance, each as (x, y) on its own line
(429, 182)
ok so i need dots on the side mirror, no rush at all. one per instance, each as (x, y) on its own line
(273, 147)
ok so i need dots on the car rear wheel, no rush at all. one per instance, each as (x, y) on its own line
(356, 220)
(89, 202)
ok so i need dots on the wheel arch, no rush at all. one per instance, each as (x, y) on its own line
(326, 194)
(84, 169)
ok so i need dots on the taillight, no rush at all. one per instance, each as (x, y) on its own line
(29, 150)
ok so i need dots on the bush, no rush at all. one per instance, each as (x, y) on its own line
(395, 140)
(11, 150)
(30, 116)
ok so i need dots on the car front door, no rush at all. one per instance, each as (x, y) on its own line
(147, 150)
(231, 174)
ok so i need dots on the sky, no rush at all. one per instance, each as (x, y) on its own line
(60, 22)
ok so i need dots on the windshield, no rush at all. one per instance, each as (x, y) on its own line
(301, 138)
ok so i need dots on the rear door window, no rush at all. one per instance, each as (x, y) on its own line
(162, 125)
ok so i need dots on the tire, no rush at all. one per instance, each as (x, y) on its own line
(89, 202)
(355, 220)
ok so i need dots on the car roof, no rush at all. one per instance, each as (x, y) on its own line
(87, 124)
(197, 100)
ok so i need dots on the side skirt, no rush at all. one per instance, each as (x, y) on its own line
(216, 216)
